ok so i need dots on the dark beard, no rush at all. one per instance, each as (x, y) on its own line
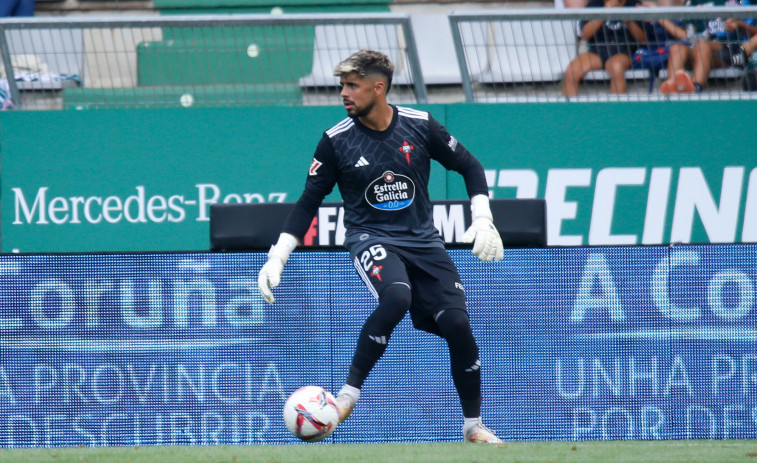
(356, 112)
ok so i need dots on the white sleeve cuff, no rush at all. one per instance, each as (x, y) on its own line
(283, 247)
(479, 205)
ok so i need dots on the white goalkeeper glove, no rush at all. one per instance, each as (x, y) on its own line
(270, 275)
(487, 244)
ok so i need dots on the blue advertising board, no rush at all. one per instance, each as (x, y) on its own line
(178, 348)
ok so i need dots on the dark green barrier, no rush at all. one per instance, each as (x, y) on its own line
(622, 173)
(138, 180)
(612, 173)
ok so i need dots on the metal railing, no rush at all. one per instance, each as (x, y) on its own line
(243, 59)
(522, 55)
(197, 60)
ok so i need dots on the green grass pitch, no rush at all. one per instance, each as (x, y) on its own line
(704, 451)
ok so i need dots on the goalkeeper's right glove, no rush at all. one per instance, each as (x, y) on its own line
(270, 275)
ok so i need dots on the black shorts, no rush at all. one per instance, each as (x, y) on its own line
(429, 273)
(607, 51)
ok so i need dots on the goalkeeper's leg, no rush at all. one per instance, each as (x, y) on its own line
(455, 328)
(394, 302)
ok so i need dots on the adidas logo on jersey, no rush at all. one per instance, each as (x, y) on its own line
(362, 162)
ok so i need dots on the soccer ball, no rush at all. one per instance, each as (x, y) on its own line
(310, 413)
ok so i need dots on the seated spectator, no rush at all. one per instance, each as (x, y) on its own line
(661, 34)
(749, 83)
(17, 8)
(562, 4)
(610, 47)
(716, 45)
(749, 48)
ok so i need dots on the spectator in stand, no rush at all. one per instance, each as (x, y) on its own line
(611, 45)
(17, 8)
(750, 46)
(750, 75)
(720, 43)
(661, 34)
(562, 4)
(12, 8)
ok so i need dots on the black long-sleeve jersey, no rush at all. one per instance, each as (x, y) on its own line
(383, 179)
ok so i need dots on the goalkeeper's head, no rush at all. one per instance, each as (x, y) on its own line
(367, 63)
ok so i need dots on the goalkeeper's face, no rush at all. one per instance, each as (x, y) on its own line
(360, 94)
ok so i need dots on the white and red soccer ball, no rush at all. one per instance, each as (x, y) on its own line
(310, 413)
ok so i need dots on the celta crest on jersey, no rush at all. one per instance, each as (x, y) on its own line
(376, 271)
(390, 192)
(406, 149)
(314, 167)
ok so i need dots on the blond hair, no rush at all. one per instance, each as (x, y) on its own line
(365, 62)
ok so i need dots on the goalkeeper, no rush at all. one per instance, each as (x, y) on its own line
(380, 158)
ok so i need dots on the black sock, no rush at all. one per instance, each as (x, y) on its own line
(394, 302)
(698, 87)
(367, 353)
(464, 363)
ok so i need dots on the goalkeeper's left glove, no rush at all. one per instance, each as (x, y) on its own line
(487, 244)
(270, 275)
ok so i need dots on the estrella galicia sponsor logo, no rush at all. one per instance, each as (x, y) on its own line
(390, 192)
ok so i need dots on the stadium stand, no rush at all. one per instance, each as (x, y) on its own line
(259, 56)
(333, 42)
(530, 51)
(46, 59)
(510, 54)
(521, 55)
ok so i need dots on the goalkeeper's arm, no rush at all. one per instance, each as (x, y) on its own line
(270, 275)
(487, 244)
(299, 219)
(295, 226)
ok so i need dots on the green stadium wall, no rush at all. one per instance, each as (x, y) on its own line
(143, 180)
